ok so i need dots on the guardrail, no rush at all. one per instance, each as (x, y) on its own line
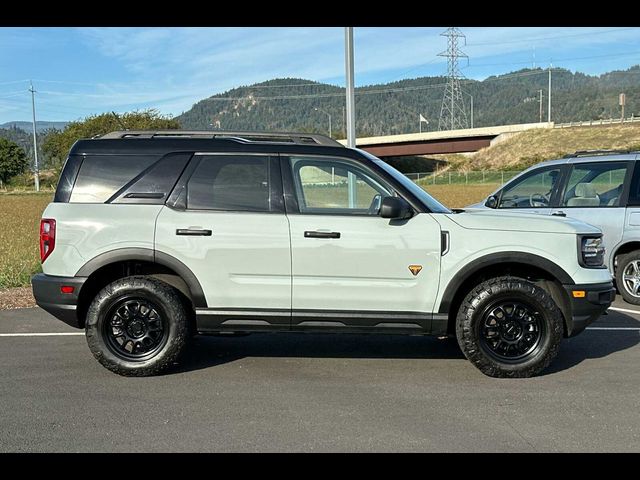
(461, 178)
(591, 123)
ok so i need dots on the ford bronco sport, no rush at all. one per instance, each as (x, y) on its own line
(153, 237)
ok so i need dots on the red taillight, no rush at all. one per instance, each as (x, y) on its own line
(47, 237)
(67, 289)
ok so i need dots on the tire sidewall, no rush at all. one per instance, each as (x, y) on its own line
(623, 262)
(174, 320)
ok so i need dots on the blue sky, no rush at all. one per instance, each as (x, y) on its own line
(81, 71)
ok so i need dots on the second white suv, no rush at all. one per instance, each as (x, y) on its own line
(155, 236)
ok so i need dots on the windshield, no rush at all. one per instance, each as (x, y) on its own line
(431, 203)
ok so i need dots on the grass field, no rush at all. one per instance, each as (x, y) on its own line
(20, 219)
(19, 249)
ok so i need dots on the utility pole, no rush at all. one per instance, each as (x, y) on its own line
(540, 106)
(452, 113)
(351, 114)
(35, 140)
(549, 99)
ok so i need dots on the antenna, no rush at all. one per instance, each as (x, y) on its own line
(452, 113)
(119, 120)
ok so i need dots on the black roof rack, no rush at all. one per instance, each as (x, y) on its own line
(248, 137)
(589, 153)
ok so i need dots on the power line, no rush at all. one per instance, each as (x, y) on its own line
(534, 39)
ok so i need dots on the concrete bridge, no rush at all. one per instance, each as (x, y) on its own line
(445, 141)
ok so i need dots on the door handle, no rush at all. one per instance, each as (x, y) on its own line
(559, 213)
(193, 232)
(321, 234)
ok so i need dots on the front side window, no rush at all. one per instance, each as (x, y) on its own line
(231, 183)
(595, 185)
(531, 191)
(336, 186)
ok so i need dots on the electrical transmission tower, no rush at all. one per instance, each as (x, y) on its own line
(452, 113)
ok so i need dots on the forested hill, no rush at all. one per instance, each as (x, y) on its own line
(288, 103)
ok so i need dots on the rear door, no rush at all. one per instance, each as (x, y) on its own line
(226, 223)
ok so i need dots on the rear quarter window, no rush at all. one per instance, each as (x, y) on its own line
(101, 176)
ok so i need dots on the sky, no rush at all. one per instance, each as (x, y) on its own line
(82, 71)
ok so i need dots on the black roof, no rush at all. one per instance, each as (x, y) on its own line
(163, 142)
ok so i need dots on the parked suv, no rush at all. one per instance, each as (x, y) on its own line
(598, 187)
(155, 236)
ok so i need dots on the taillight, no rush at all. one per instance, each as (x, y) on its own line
(47, 237)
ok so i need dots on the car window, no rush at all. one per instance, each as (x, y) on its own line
(233, 183)
(101, 176)
(336, 186)
(531, 191)
(595, 185)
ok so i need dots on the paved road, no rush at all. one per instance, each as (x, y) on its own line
(288, 392)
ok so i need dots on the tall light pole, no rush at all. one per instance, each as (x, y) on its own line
(35, 140)
(540, 106)
(471, 105)
(351, 104)
(549, 99)
(326, 113)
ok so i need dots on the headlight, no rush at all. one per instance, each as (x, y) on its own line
(591, 252)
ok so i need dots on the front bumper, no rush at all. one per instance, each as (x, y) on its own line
(585, 310)
(63, 306)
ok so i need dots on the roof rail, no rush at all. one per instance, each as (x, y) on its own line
(588, 153)
(257, 137)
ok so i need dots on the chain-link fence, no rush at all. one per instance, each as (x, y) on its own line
(461, 178)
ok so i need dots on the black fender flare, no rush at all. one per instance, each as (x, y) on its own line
(495, 259)
(152, 256)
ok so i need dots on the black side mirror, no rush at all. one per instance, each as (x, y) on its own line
(492, 202)
(395, 208)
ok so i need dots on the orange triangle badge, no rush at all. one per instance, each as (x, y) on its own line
(415, 269)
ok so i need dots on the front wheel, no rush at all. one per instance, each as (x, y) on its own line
(509, 327)
(137, 326)
(628, 277)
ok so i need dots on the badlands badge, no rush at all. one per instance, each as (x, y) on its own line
(415, 269)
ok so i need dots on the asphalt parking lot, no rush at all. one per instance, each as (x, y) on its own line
(286, 393)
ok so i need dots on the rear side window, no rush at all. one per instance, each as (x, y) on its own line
(234, 183)
(101, 176)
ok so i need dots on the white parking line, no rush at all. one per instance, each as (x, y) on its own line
(66, 334)
(614, 328)
(625, 310)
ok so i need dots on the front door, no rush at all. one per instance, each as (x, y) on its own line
(592, 193)
(228, 226)
(350, 266)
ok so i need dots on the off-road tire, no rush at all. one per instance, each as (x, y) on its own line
(473, 310)
(176, 331)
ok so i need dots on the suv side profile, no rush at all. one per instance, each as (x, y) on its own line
(598, 187)
(153, 237)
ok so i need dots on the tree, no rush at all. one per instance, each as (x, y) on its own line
(13, 160)
(58, 143)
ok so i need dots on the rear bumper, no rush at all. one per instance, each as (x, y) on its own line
(587, 309)
(63, 306)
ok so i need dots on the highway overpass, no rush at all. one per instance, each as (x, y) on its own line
(446, 141)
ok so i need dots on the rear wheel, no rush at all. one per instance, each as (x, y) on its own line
(137, 326)
(628, 276)
(509, 327)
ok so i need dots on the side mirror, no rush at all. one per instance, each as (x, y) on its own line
(492, 202)
(395, 208)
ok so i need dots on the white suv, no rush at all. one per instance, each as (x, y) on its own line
(153, 237)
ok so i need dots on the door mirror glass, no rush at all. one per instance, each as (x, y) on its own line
(492, 202)
(395, 208)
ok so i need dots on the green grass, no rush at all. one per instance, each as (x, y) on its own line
(19, 248)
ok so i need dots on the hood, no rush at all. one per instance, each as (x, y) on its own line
(487, 219)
